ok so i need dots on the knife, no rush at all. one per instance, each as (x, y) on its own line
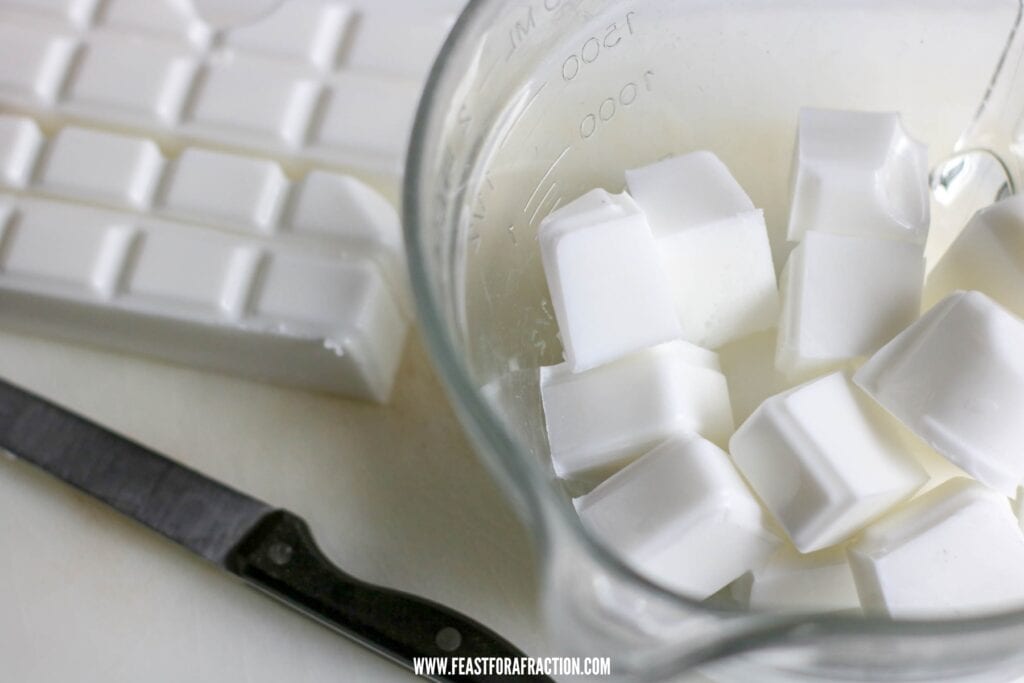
(271, 549)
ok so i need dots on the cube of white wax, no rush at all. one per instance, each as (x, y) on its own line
(858, 173)
(600, 419)
(955, 551)
(608, 289)
(843, 298)
(713, 244)
(796, 582)
(988, 256)
(956, 379)
(682, 516)
(824, 460)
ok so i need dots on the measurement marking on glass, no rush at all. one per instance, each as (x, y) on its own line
(520, 114)
(543, 178)
(558, 203)
(547, 195)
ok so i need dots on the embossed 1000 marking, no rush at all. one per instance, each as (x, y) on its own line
(593, 46)
(609, 106)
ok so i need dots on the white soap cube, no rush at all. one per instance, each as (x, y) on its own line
(956, 379)
(609, 292)
(714, 247)
(824, 461)
(843, 298)
(687, 191)
(858, 173)
(792, 581)
(600, 419)
(955, 551)
(682, 516)
(988, 256)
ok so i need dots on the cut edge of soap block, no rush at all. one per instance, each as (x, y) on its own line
(910, 520)
(709, 493)
(714, 246)
(899, 309)
(682, 385)
(611, 301)
(863, 175)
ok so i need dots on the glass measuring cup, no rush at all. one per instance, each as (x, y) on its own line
(531, 104)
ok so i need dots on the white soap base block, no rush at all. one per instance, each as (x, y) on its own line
(199, 296)
(791, 581)
(682, 516)
(824, 461)
(843, 298)
(956, 551)
(608, 290)
(605, 417)
(722, 279)
(988, 256)
(713, 244)
(956, 379)
(858, 173)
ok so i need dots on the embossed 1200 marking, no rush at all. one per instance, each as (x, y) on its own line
(610, 106)
(593, 46)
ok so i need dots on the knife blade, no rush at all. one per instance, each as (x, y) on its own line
(271, 549)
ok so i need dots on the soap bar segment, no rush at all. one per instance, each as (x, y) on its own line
(601, 419)
(101, 167)
(956, 379)
(214, 186)
(843, 298)
(858, 173)
(608, 290)
(824, 461)
(988, 256)
(713, 245)
(796, 582)
(682, 516)
(955, 551)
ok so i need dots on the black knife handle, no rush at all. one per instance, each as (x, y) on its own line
(280, 557)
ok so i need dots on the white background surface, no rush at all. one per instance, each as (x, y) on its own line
(393, 494)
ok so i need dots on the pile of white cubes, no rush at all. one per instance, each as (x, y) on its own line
(807, 443)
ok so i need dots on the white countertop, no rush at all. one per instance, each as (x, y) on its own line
(393, 494)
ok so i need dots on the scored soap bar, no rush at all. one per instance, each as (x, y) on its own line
(713, 244)
(824, 461)
(956, 379)
(955, 551)
(608, 289)
(858, 173)
(245, 305)
(682, 516)
(601, 419)
(313, 81)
